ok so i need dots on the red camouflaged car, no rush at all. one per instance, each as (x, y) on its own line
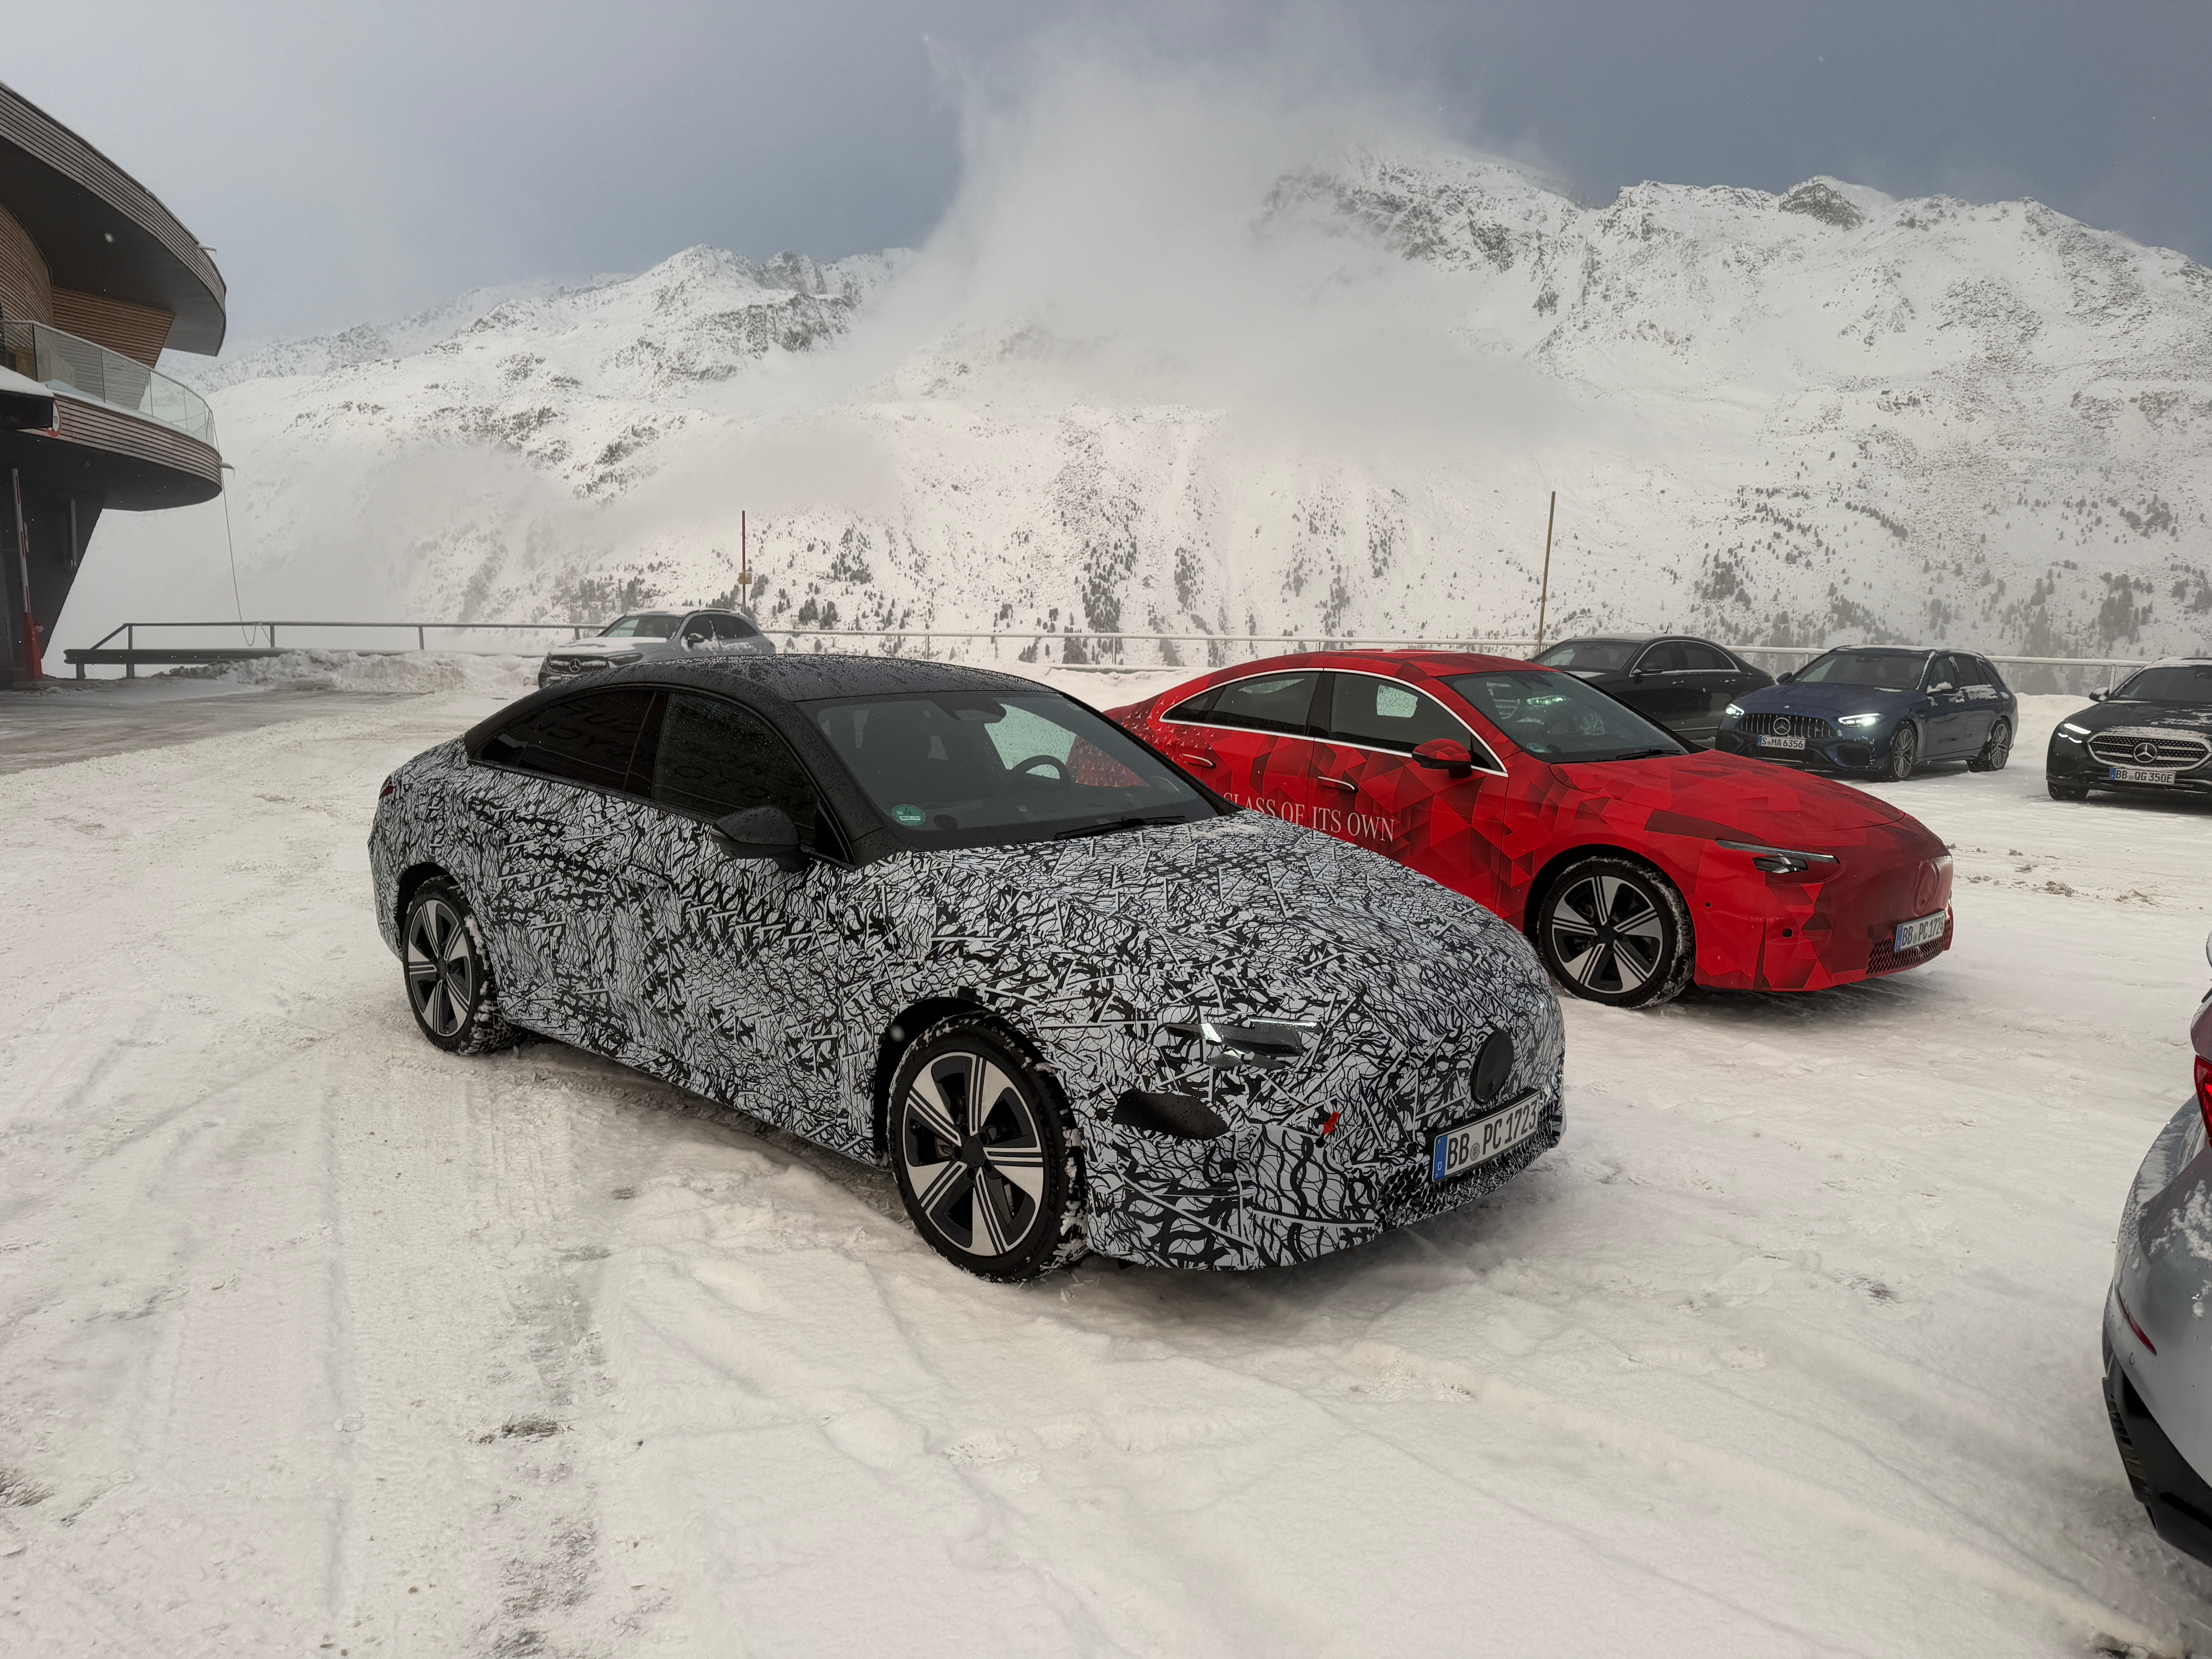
(1635, 863)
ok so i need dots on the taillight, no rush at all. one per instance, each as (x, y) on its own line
(2204, 1091)
(391, 788)
(2132, 1325)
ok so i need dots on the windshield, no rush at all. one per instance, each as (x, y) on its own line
(1886, 671)
(1589, 655)
(955, 768)
(1558, 718)
(644, 625)
(2191, 683)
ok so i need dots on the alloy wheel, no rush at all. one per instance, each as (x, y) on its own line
(1607, 935)
(442, 975)
(1904, 753)
(970, 1145)
(1998, 749)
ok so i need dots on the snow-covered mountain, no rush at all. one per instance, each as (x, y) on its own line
(1822, 415)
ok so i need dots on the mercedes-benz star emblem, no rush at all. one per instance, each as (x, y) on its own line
(2146, 753)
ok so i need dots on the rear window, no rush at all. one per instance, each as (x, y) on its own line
(1267, 702)
(587, 740)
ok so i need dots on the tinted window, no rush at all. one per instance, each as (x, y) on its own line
(1271, 702)
(1559, 718)
(1664, 657)
(715, 759)
(2187, 682)
(966, 767)
(732, 628)
(586, 739)
(1973, 671)
(645, 625)
(1194, 708)
(1888, 671)
(1384, 714)
(1600, 656)
(1703, 658)
(1943, 671)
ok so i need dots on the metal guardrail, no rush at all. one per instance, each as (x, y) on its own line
(81, 368)
(1070, 651)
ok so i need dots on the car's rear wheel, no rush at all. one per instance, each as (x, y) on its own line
(981, 1144)
(1616, 931)
(1995, 750)
(1904, 754)
(449, 978)
(2067, 790)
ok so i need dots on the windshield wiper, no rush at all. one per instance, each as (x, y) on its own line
(1115, 825)
(1646, 754)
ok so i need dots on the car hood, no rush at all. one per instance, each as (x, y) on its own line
(1714, 796)
(1826, 700)
(1245, 914)
(2170, 716)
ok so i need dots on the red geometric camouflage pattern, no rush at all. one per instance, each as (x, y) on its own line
(1499, 840)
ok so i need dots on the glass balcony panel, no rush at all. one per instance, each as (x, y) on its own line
(82, 369)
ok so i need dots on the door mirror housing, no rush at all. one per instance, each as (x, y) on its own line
(760, 832)
(1784, 679)
(2099, 696)
(1941, 688)
(1445, 754)
(695, 637)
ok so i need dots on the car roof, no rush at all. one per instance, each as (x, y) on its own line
(1434, 664)
(1620, 639)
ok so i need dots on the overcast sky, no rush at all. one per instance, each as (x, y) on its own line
(357, 164)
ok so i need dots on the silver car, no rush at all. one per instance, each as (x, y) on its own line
(655, 636)
(2158, 1352)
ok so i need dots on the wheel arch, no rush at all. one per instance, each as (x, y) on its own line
(1561, 861)
(411, 883)
(915, 1022)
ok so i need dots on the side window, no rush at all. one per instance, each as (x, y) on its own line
(1976, 673)
(715, 759)
(734, 627)
(1664, 657)
(1271, 702)
(1384, 714)
(1194, 708)
(1941, 669)
(1703, 658)
(587, 740)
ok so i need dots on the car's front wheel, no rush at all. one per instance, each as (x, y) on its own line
(449, 978)
(981, 1143)
(1616, 931)
(1904, 754)
(1995, 750)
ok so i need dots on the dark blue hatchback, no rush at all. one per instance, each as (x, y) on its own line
(1878, 710)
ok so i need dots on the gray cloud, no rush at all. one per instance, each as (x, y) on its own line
(362, 163)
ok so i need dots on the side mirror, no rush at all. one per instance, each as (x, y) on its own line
(2099, 696)
(1941, 688)
(1445, 754)
(1784, 679)
(695, 637)
(1635, 675)
(760, 832)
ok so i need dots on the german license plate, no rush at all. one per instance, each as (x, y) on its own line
(1472, 1144)
(1780, 743)
(1923, 930)
(2140, 774)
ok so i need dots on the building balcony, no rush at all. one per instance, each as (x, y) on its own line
(77, 368)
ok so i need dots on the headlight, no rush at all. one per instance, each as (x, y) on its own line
(2072, 730)
(1734, 711)
(1264, 1043)
(624, 658)
(1859, 720)
(1780, 860)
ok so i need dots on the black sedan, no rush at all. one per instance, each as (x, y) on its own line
(1684, 684)
(2151, 734)
(954, 922)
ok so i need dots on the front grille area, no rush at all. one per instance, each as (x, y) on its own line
(1786, 725)
(2150, 746)
(561, 668)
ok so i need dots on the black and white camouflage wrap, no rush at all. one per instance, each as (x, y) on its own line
(618, 926)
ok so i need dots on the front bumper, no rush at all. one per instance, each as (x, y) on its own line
(1759, 932)
(1854, 751)
(2068, 761)
(2176, 1498)
(554, 670)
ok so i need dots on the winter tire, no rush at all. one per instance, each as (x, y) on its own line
(1904, 754)
(2067, 790)
(1996, 751)
(980, 1140)
(449, 979)
(1615, 930)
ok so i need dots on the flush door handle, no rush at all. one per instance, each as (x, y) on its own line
(1206, 760)
(1345, 784)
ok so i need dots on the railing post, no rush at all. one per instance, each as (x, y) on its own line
(130, 647)
(418, 637)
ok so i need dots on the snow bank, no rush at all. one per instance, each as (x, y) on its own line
(486, 673)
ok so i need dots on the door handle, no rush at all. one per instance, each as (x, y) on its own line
(1349, 788)
(1206, 761)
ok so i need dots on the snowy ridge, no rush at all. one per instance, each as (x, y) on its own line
(1822, 415)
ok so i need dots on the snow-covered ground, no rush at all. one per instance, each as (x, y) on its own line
(314, 1340)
